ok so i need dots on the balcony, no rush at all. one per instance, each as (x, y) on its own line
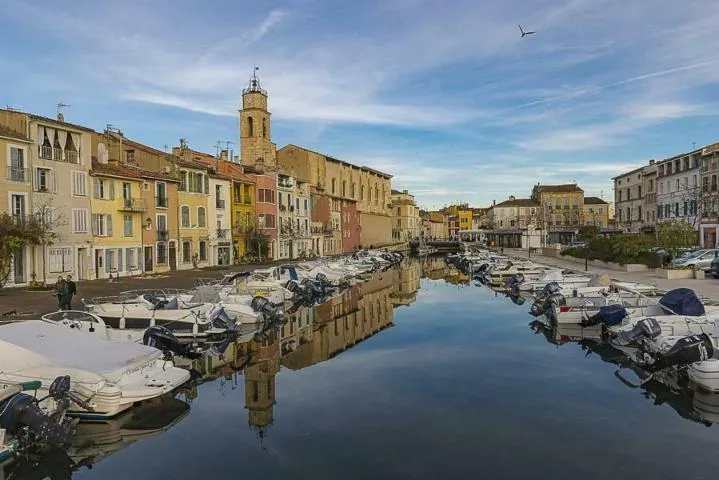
(58, 154)
(247, 201)
(219, 203)
(222, 232)
(163, 235)
(133, 205)
(161, 202)
(239, 230)
(15, 174)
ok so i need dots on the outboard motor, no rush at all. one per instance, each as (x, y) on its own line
(548, 304)
(219, 318)
(263, 305)
(609, 315)
(21, 416)
(515, 280)
(550, 289)
(645, 328)
(163, 339)
(694, 348)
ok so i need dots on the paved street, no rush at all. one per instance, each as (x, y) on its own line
(22, 303)
(708, 287)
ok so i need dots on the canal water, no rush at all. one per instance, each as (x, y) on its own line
(418, 374)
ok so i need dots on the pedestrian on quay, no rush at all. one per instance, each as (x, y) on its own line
(61, 291)
(71, 290)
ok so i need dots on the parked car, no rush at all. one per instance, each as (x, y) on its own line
(714, 268)
(701, 259)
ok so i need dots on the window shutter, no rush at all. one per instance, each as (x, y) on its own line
(96, 188)
(119, 260)
(109, 225)
(52, 181)
(112, 189)
(94, 219)
(207, 184)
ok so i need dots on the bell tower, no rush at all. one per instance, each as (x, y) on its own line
(255, 139)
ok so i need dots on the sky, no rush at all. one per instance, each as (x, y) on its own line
(444, 95)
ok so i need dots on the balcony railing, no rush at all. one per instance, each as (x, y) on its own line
(219, 203)
(15, 174)
(133, 204)
(239, 229)
(161, 202)
(163, 235)
(58, 154)
(222, 232)
(248, 201)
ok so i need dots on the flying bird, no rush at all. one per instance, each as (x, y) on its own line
(524, 34)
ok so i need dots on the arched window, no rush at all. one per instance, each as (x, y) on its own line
(264, 128)
(201, 219)
(250, 127)
(185, 216)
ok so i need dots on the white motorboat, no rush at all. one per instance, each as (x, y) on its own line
(90, 323)
(109, 376)
(566, 281)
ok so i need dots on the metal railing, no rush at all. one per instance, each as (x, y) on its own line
(133, 204)
(219, 203)
(163, 235)
(58, 154)
(161, 202)
(71, 156)
(45, 152)
(222, 232)
(16, 174)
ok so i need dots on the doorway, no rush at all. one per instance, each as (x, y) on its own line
(81, 263)
(173, 256)
(148, 259)
(19, 266)
(98, 262)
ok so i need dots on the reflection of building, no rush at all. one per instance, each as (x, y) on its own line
(260, 384)
(361, 312)
(406, 284)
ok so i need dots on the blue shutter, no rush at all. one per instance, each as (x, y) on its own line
(119, 260)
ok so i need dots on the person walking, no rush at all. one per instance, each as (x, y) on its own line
(71, 290)
(61, 291)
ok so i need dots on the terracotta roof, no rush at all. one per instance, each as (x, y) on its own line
(565, 188)
(10, 133)
(594, 201)
(128, 171)
(227, 169)
(518, 202)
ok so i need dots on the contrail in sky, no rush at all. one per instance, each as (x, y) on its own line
(638, 78)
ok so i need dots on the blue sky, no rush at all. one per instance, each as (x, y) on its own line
(445, 95)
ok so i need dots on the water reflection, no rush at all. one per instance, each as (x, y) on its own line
(668, 387)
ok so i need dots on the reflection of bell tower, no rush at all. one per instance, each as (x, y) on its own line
(260, 387)
(255, 139)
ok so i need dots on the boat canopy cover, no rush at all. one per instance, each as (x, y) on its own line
(40, 350)
(205, 294)
(552, 276)
(613, 314)
(682, 301)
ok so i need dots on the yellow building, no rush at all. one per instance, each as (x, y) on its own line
(192, 199)
(596, 212)
(406, 222)
(243, 211)
(559, 205)
(15, 192)
(116, 220)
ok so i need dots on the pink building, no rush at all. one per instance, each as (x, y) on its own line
(266, 205)
(350, 226)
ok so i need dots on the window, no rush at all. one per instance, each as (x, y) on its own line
(686, 208)
(185, 216)
(60, 260)
(203, 251)
(130, 259)
(161, 253)
(264, 128)
(279, 199)
(161, 194)
(201, 218)
(126, 191)
(639, 190)
(79, 183)
(361, 192)
(186, 251)
(161, 222)
(333, 185)
(183, 180)
(101, 225)
(620, 195)
(306, 206)
(266, 220)
(297, 205)
(265, 195)
(344, 188)
(127, 221)
(104, 189)
(79, 220)
(250, 127)
(45, 180)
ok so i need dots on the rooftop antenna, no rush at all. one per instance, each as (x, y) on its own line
(218, 144)
(694, 144)
(165, 146)
(60, 106)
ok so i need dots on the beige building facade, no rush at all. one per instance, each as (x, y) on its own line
(406, 222)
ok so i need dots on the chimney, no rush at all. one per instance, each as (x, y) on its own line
(511, 197)
(405, 192)
(60, 117)
(652, 161)
(494, 202)
(223, 155)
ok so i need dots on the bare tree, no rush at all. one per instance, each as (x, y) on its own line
(47, 219)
